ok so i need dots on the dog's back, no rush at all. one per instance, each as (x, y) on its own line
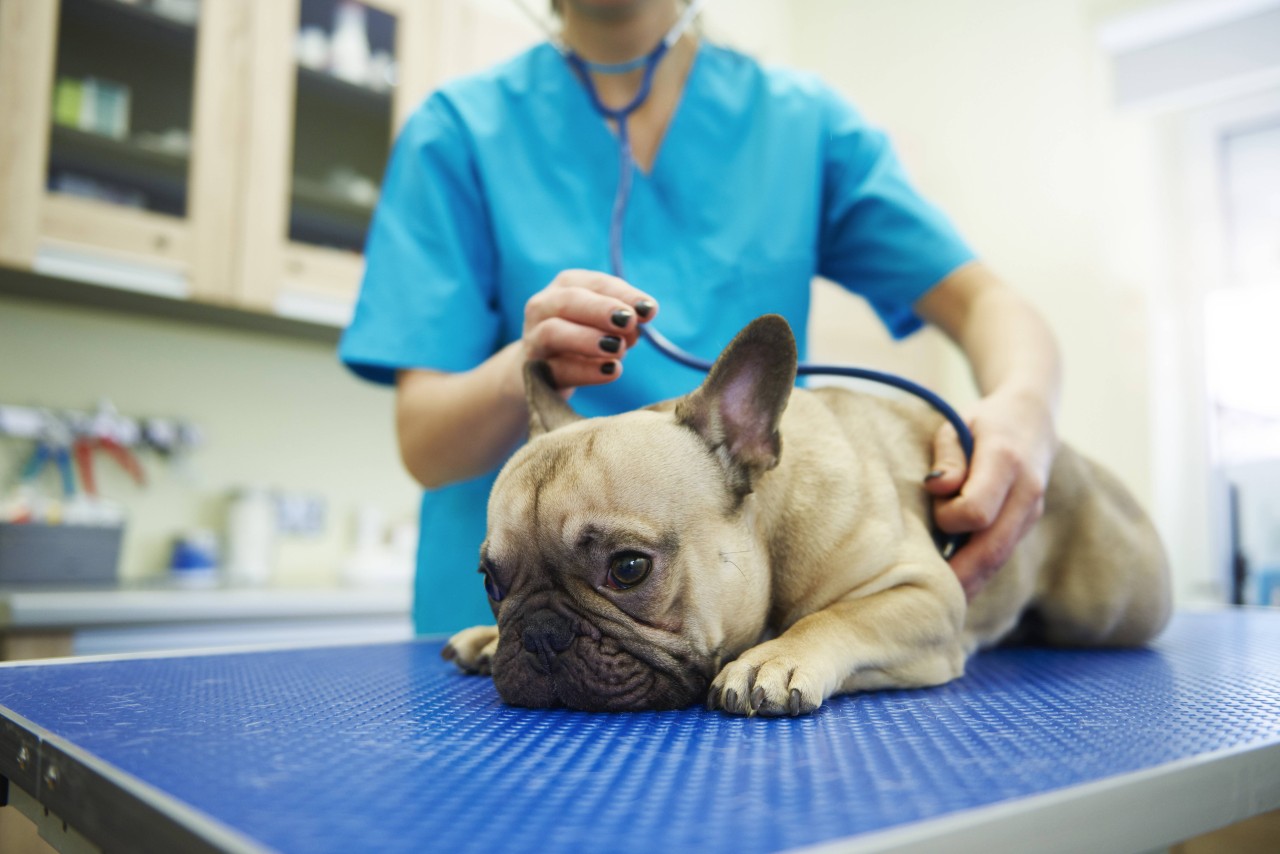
(1092, 572)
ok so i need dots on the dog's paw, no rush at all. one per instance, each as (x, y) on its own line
(768, 680)
(473, 649)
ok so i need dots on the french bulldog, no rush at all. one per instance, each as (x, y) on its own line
(765, 547)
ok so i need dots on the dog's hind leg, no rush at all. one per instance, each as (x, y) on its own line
(1106, 579)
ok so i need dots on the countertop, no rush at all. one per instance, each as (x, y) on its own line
(49, 609)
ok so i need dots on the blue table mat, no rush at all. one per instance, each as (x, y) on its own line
(387, 748)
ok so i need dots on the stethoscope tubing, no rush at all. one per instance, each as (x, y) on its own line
(676, 354)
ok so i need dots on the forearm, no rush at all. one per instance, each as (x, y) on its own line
(1009, 346)
(453, 427)
(1013, 352)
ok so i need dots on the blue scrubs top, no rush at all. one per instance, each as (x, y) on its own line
(499, 181)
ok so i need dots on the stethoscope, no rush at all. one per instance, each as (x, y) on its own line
(948, 544)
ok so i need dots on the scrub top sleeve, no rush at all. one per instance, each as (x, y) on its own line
(428, 295)
(879, 238)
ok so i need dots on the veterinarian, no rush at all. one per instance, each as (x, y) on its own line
(489, 242)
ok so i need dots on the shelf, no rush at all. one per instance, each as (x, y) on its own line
(321, 217)
(55, 290)
(129, 159)
(159, 176)
(311, 229)
(326, 87)
(314, 198)
(136, 23)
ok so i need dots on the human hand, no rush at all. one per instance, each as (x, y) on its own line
(1002, 495)
(583, 324)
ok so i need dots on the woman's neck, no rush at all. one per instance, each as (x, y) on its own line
(616, 33)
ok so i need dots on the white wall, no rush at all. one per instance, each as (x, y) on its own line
(1003, 112)
(1000, 109)
(1108, 218)
(275, 411)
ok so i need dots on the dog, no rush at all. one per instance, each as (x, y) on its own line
(765, 547)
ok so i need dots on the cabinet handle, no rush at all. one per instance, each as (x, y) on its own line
(161, 242)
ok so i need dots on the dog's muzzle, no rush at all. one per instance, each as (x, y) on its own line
(546, 634)
(553, 659)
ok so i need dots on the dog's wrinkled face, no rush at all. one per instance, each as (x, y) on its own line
(621, 559)
(598, 535)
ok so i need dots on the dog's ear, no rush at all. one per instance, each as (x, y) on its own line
(547, 409)
(737, 409)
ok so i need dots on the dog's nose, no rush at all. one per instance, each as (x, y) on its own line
(547, 634)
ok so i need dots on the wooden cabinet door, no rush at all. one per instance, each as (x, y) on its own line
(28, 31)
(122, 155)
(322, 120)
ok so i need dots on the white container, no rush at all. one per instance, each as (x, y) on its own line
(349, 49)
(251, 538)
(312, 49)
(381, 557)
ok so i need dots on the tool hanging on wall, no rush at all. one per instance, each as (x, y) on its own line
(164, 435)
(53, 447)
(106, 431)
(68, 441)
(84, 448)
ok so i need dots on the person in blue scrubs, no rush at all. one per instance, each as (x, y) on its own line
(492, 231)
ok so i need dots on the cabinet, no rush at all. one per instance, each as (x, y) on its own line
(112, 163)
(225, 151)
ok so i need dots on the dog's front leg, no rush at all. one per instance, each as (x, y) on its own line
(473, 649)
(906, 636)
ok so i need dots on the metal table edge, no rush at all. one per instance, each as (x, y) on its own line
(135, 816)
(1184, 798)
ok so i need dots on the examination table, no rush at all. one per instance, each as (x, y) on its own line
(384, 747)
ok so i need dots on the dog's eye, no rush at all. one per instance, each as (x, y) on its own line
(491, 585)
(627, 569)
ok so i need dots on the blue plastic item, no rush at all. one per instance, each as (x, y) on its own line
(386, 748)
(59, 456)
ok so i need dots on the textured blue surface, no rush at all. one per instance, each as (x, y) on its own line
(386, 747)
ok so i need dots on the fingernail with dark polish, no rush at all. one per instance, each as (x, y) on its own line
(611, 343)
(608, 368)
(621, 318)
(644, 308)
(934, 475)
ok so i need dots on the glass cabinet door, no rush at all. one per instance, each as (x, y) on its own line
(123, 92)
(331, 86)
(121, 162)
(343, 116)
(332, 82)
